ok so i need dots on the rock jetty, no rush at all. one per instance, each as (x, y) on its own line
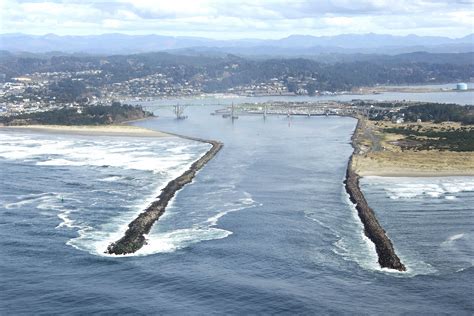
(134, 238)
(372, 228)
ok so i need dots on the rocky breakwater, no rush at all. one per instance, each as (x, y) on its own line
(134, 238)
(372, 228)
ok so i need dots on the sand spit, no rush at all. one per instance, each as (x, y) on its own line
(102, 130)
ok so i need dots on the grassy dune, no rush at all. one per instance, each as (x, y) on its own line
(413, 149)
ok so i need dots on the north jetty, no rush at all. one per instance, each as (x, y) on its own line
(134, 238)
(372, 228)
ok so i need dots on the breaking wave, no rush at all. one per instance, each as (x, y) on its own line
(419, 188)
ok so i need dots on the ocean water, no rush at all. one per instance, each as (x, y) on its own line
(409, 206)
(266, 227)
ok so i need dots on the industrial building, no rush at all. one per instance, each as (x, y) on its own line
(461, 86)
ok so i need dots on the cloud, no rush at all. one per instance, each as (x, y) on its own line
(238, 18)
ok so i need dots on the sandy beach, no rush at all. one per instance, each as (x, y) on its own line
(107, 130)
(379, 154)
(414, 164)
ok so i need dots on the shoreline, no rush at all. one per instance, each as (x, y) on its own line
(98, 130)
(134, 238)
(415, 164)
(378, 153)
(387, 258)
(415, 174)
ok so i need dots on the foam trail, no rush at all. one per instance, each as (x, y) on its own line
(360, 249)
(29, 199)
(421, 188)
(132, 164)
(204, 231)
(138, 154)
(451, 239)
(95, 241)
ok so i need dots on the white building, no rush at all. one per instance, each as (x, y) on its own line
(461, 86)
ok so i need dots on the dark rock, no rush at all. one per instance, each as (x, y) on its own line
(372, 228)
(134, 238)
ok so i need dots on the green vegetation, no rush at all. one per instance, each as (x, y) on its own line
(425, 111)
(437, 113)
(217, 74)
(91, 115)
(442, 138)
(383, 104)
(70, 90)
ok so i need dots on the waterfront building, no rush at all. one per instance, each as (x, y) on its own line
(461, 86)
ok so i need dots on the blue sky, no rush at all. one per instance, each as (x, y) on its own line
(232, 19)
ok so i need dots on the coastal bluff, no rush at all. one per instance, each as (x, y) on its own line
(134, 238)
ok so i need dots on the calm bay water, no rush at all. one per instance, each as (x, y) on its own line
(458, 97)
(265, 227)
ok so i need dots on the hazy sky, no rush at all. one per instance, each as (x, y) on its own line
(238, 19)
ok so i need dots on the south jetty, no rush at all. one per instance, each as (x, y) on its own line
(134, 238)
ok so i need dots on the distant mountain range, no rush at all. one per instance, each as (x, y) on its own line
(294, 45)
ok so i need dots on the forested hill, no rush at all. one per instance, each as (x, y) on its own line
(88, 115)
(216, 74)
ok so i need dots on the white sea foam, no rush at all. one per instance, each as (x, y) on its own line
(180, 238)
(158, 242)
(451, 239)
(139, 154)
(168, 157)
(110, 232)
(242, 204)
(173, 159)
(430, 187)
(354, 245)
(359, 248)
(176, 150)
(95, 241)
(66, 221)
(111, 179)
(48, 203)
(57, 202)
(28, 199)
